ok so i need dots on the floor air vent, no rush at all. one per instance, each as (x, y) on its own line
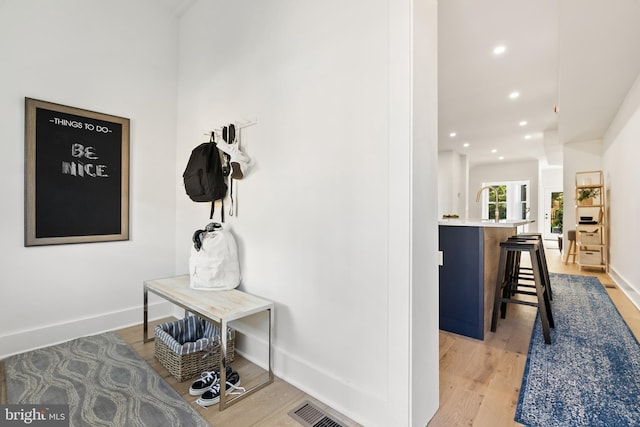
(310, 415)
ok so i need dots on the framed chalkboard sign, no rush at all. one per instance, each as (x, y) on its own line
(76, 175)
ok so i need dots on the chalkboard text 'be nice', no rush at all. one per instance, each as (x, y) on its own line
(81, 167)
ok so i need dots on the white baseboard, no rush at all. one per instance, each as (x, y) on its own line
(629, 290)
(31, 339)
(329, 388)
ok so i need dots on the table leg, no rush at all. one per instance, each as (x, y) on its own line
(270, 361)
(223, 364)
(145, 316)
(224, 400)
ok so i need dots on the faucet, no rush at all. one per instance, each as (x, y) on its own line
(495, 190)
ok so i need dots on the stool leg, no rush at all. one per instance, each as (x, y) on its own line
(501, 277)
(512, 282)
(510, 279)
(515, 271)
(507, 292)
(545, 270)
(570, 251)
(544, 306)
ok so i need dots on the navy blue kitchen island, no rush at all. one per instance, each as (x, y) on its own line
(471, 250)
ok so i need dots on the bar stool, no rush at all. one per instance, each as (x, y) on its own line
(508, 284)
(515, 272)
(526, 273)
(571, 248)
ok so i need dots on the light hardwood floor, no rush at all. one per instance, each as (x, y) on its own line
(268, 407)
(479, 380)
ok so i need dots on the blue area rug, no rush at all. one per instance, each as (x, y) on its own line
(590, 374)
(104, 382)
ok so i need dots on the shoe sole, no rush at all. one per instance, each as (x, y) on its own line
(214, 400)
(194, 392)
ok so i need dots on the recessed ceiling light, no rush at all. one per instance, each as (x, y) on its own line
(499, 50)
(527, 137)
(452, 134)
(523, 123)
(494, 151)
(514, 95)
(501, 158)
(466, 144)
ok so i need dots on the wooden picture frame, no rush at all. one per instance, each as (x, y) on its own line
(76, 175)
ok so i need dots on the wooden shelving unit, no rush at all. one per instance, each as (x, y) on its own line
(591, 220)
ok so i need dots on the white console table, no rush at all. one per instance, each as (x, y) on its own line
(219, 307)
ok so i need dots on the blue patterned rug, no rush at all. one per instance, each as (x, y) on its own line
(103, 380)
(590, 374)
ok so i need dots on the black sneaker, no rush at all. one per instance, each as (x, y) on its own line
(212, 396)
(207, 380)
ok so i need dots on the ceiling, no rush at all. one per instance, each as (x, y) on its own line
(581, 56)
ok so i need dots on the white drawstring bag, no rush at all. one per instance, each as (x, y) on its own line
(213, 264)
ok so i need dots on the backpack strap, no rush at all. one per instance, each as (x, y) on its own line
(212, 140)
(231, 196)
(231, 137)
(213, 205)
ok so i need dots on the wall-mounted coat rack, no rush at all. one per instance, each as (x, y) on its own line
(218, 136)
(239, 125)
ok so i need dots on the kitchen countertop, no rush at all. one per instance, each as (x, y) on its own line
(484, 222)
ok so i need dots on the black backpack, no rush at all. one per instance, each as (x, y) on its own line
(204, 180)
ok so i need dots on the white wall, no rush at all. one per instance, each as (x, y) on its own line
(325, 218)
(578, 157)
(551, 177)
(115, 57)
(509, 171)
(424, 321)
(621, 151)
(452, 183)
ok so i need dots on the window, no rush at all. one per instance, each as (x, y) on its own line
(523, 201)
(502, 202)
(513, 200)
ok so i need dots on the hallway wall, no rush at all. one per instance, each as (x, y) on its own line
(324, 221)
(117, 57)
(621, 151)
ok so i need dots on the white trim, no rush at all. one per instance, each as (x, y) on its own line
(48, 335)
(625, 286)
(397, 381)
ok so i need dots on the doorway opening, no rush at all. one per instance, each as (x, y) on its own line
(553, 214)
(557, 212)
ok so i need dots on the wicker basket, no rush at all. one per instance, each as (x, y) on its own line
(191, 363)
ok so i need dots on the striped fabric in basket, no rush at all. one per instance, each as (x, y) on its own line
(188, 335)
